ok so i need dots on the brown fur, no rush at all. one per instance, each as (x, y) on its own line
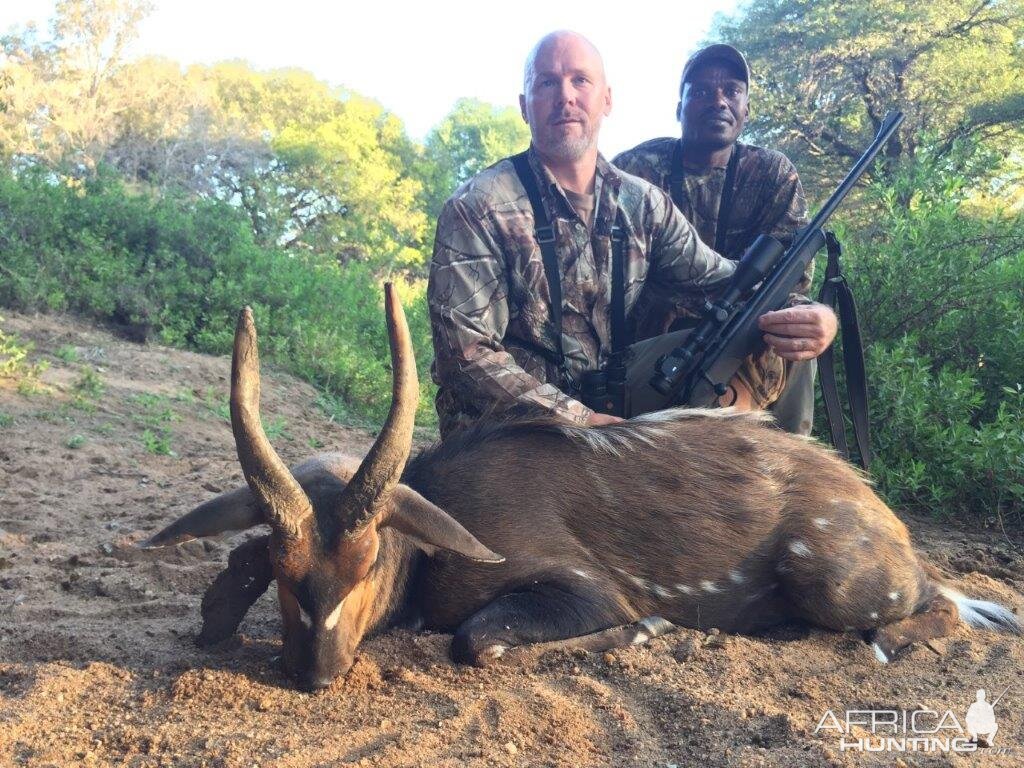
(707, 518)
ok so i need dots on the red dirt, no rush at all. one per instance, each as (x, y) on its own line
(98, 665)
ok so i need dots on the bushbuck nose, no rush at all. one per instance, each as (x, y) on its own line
(314, 682)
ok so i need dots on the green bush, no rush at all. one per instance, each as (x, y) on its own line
(933, 450)
(179, 270)
(938, 273)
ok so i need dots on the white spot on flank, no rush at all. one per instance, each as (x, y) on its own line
(640, 637)
(684, 588)
(822, 522)
(874, 614)
(799, 548)
(894, 596)
(879, 653)
(864, 540)
(709, 586)
(581, 573)
(736, 577)
(660, 591)
(640, 582)
(332, 621)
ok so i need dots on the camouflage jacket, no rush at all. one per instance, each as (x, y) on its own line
(494, 338)
(767, 199)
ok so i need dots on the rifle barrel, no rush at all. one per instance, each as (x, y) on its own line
(888, 128)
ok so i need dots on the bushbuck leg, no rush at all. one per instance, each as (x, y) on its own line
(235, 589)
(541, 613)
(616, 637)
(847, 563)
(936, 618)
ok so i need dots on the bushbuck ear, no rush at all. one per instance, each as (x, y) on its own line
(232, 511)
(432, 528)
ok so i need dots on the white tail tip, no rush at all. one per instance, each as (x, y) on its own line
(983, 614)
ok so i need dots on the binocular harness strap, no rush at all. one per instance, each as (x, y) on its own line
(545, 234)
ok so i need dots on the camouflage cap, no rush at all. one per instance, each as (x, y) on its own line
(716, 52)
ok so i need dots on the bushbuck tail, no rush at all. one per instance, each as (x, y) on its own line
(606, 535)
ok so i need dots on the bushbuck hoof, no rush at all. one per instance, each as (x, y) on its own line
(937, 618)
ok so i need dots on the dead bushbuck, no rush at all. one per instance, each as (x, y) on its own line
(607, 535)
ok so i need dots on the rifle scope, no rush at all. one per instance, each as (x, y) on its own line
(758, 261)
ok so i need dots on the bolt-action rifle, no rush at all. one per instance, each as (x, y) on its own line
(697, 371)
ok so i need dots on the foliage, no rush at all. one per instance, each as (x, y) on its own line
(183, 267)
(471, 137)
(66, 353)
(62, 100)
(944, 283)
(935, 447)
(89, 384)
(14, 364)
(827, 71)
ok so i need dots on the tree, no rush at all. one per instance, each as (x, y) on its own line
(826, 72)
(347, 185)
(471, 137)
(61, 104)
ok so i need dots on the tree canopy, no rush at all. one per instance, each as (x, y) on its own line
(826, 72)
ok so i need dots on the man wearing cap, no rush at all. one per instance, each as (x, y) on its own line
(732, 192)
(511, 330)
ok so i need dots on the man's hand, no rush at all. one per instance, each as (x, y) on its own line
(600, 419)
(799, 333)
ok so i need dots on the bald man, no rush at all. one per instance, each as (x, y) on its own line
(510, 329)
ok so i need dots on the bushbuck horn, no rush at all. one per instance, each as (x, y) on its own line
(277, 491)
(367, 492)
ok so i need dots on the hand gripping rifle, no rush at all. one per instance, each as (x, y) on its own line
(698, 371)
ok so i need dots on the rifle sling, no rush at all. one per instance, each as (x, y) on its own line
(545, 234)
(676, 186)
(836, 293)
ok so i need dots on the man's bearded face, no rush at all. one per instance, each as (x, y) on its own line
(566, 99)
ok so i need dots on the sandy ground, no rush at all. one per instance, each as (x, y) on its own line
(98, 664)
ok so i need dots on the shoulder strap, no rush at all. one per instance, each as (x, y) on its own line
(621, 334)
(545, 235)
(677, 177)
(836, 293)
(725, 204)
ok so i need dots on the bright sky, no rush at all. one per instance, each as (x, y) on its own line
(418, 58)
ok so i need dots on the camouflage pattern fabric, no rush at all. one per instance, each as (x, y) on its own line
(494, 338)
(767, 199)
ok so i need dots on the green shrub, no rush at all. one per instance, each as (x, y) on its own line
(15, 366)
(179, 270)
(932, 449)
(940, 285)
